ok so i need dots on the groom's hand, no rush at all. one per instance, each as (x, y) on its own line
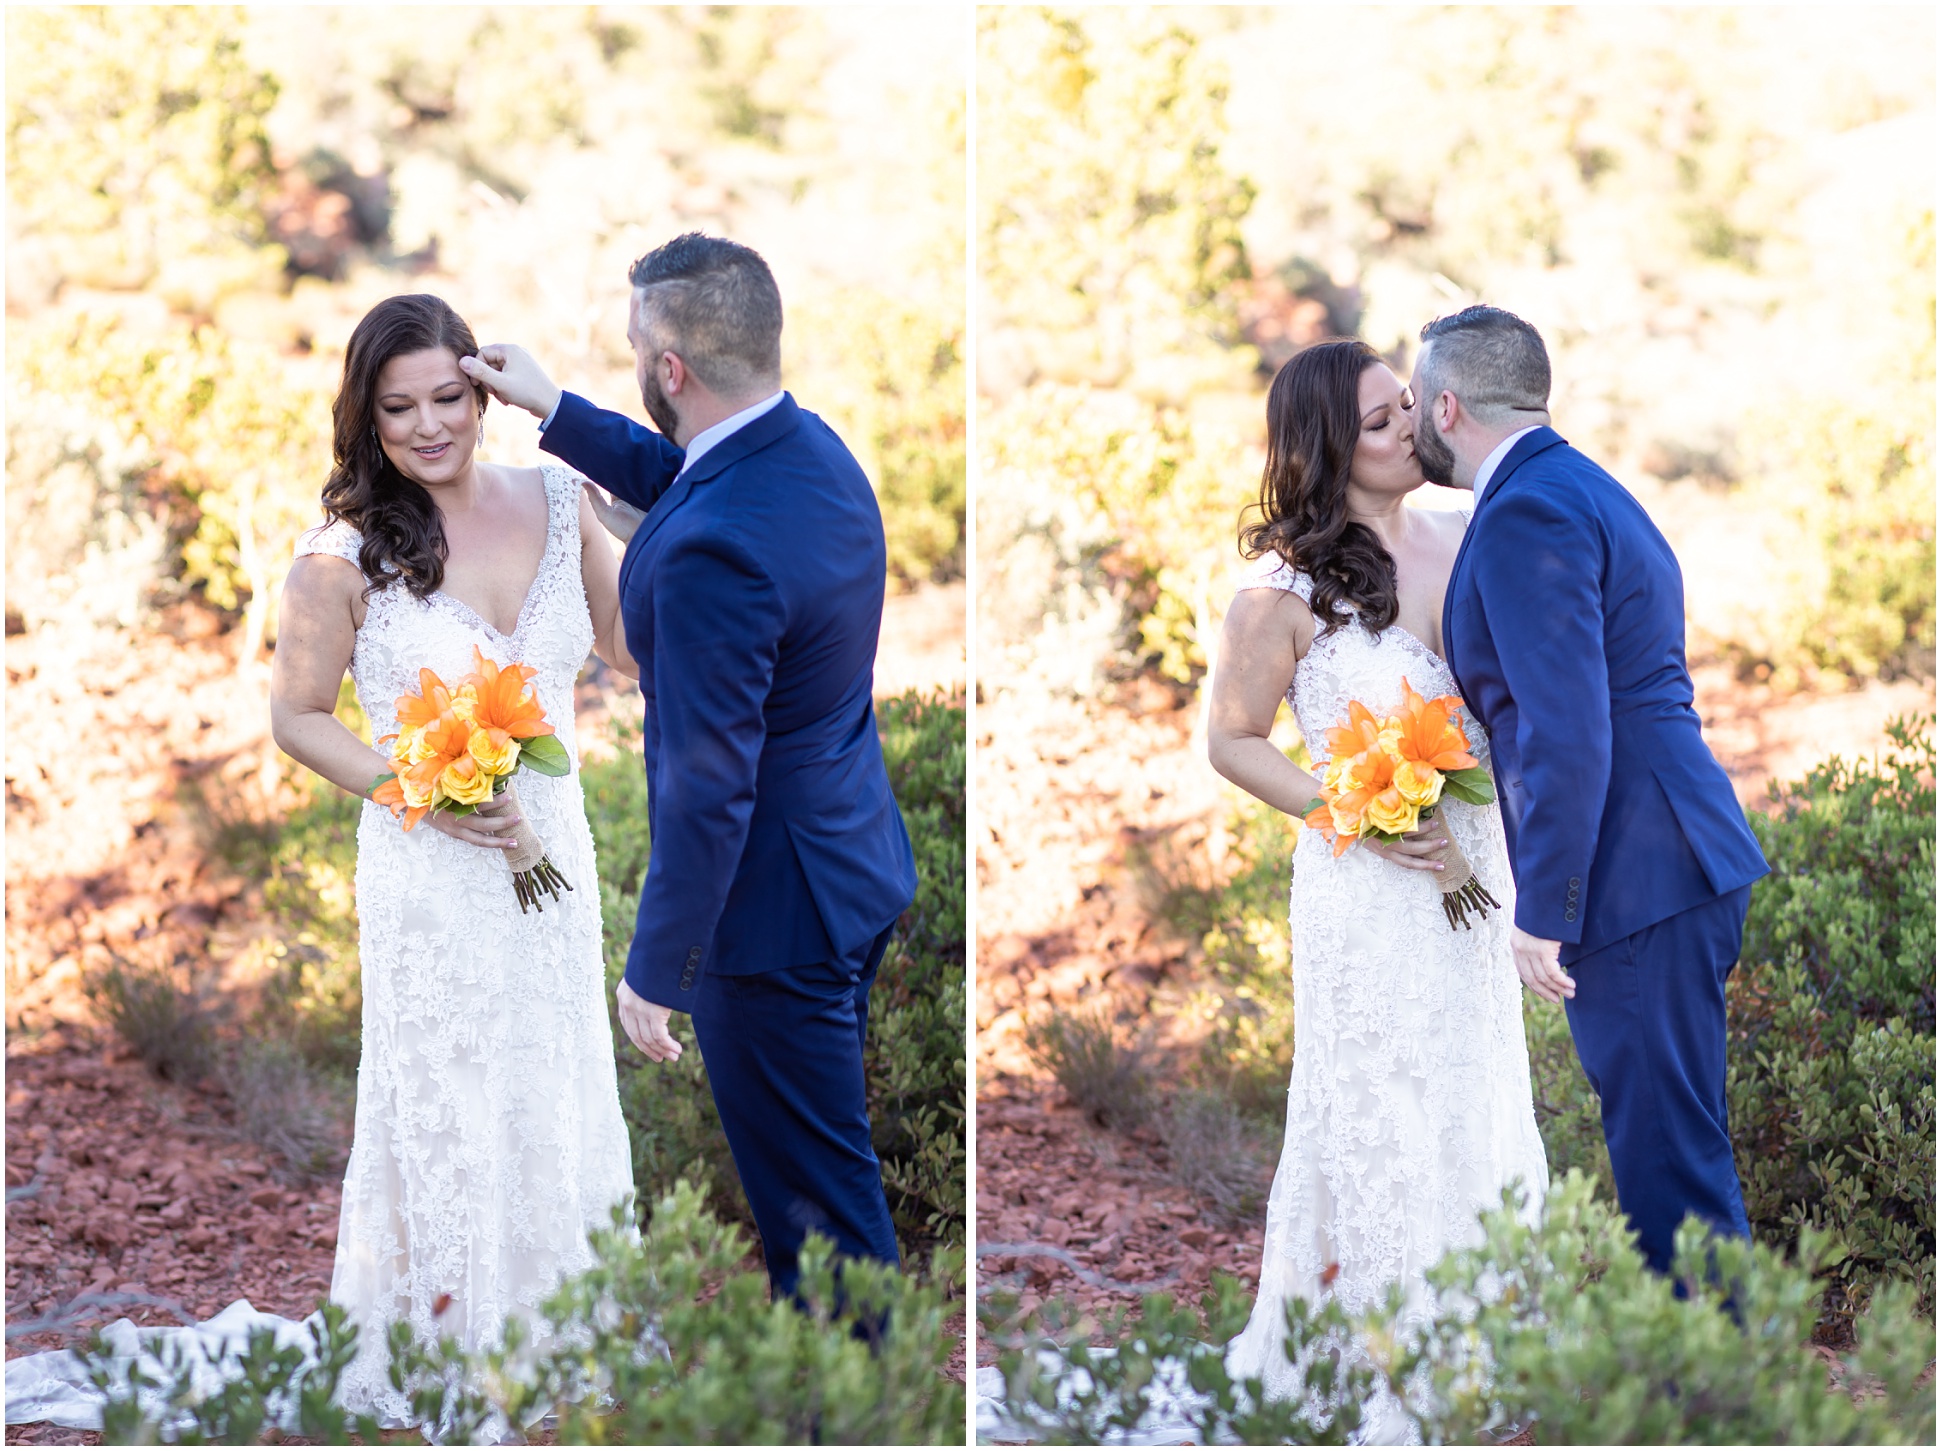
(645, 1024)
(511, 376)
(1537, 965)
(616, 516)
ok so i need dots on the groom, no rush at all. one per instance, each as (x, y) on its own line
(1565, 628)
(752, 591)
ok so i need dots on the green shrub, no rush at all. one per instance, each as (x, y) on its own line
(1562, 1328)
(1214, 1153)
(1108, 1078)
(168, 1015)
(1558, 1327)
(915, 1057)
(664, 1341)
(1831, 1071)
(285, 1104)
(1072, 1380)
(915, 1060)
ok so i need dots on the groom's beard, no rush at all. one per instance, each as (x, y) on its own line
(659, 408)
(1437, 459)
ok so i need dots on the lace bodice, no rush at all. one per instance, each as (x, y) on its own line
(401, 633)
(1351, 663)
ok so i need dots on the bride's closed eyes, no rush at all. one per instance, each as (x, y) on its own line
(395, 409)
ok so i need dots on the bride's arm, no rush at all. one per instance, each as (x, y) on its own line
(1266, 633)
(316, 630)
(600, 572)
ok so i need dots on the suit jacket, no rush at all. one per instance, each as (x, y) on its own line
(752, 596)
(1565, 627)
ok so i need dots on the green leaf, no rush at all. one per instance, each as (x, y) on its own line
(1315, 805)
(372, 789)
(546, 755)
(1471, 784)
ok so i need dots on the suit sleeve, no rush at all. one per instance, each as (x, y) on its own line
(1541, 586)
(628, 461)
(720, 623)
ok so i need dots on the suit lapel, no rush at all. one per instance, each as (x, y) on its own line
(1527, 448)
(779, 421)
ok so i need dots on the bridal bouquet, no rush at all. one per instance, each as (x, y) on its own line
(458, 747)
(1384, 777)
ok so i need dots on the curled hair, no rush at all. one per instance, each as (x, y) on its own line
(716, 304)
(1313, 425)
(404, 534)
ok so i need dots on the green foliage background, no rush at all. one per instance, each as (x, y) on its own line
(205, 199)
(1721, 219)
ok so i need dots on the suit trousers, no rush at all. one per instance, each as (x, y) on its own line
(1649, 1024)
(784, 1053)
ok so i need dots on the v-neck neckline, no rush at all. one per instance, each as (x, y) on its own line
(532, 588)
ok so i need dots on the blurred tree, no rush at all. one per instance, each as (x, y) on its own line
(1110, 231)
(136, 154)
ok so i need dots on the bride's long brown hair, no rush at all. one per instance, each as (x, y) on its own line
(404, 534)
(1313, 425)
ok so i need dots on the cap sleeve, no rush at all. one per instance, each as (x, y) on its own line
(1270, 571)
(335, 538)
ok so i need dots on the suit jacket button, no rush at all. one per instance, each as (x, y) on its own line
(687, 981)
(1571, 915)
(1576, 881)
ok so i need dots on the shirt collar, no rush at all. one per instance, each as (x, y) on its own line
(1487, 472)
(707, 438)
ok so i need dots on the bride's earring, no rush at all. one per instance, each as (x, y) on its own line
(481, 442)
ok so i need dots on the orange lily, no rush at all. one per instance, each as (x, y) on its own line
(1362, 732)
(1430, 732)
(505, 702)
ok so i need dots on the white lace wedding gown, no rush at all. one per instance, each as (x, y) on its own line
(1410, 1105)
(488, 1132)
(489, 1135)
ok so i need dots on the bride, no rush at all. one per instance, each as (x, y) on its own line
(488, 1132)
(1410, 1105)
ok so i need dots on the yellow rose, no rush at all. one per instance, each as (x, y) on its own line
(1419, 782)
(1389, 812)
(464, 702)
(495, 752)
(412, 747)
(462, 781)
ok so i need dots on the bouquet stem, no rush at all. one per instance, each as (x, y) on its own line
(1462, 890)
(533, 871)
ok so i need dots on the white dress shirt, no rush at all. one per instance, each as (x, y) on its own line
(1495, 460)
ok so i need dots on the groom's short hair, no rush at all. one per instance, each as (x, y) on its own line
(715, 303)
(1492, 360)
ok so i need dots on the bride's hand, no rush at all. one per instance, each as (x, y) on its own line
(488, 825)
(1423, 850)
(616, 516)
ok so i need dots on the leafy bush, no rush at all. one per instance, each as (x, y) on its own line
(915, 1059)
(915, 1056)
(1108, 1078)
(664, 1341)
(1563, 1328)
(1831, 1074)
(286, 1105)
(1558, 1327)
(1072, 1380)
(1213, 1152)
(168, 1015)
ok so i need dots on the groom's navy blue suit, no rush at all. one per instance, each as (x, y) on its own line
(752, 595)
(1565, 626)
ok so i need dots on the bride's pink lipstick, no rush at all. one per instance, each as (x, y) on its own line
(432, 453)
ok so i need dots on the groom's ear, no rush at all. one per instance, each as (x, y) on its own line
(676, 373)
